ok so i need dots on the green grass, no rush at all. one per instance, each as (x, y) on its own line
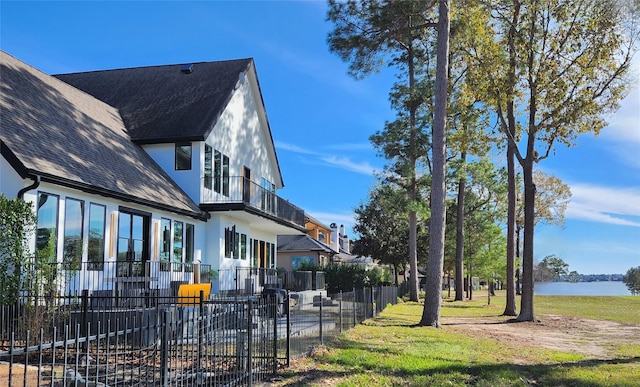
(391, 350)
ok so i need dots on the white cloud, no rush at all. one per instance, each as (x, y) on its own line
(294, 148)
(340, 162)
(619, 206)
(345, 163)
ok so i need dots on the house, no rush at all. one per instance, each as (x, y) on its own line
(314, 247)
(137, 174)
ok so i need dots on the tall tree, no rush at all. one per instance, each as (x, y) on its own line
(553, 69)
(369, 31)
(437, 225)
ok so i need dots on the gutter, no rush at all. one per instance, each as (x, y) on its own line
(36, 183)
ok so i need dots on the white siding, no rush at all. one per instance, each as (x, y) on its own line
(10, 181)
(188, 180)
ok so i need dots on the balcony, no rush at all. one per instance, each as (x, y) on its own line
(241, 194)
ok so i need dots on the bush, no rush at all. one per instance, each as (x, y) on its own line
(17, 223)
(345, 278)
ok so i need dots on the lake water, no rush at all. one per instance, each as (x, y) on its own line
(604, 288)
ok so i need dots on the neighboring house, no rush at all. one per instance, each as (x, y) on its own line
(315, 247)
(138, 173)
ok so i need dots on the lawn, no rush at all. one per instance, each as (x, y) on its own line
(579, 341)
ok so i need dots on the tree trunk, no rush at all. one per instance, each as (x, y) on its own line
(433, 296)
(526, 302)
(460, 234)
(413, 257)
(510, 307)
(413, 189)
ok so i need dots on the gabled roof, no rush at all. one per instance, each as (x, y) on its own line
(164, 103)
(67, 137)
(301, 243)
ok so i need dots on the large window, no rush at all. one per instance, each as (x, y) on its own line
(165, 244)
(47, 228)
(217, 172)
(268, 190)
(183, 157)
(188, 246)
(221, 173)
(178, 244)
(208, 166)
(133, 242)
(225, 175)
(243, 246)
(72, 242)
(95, 253)
(229, 241)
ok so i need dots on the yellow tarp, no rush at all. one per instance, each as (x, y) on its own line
(189, 294)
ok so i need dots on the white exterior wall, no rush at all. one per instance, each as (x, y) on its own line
(10, 181)
(188, 180)
(242, 134)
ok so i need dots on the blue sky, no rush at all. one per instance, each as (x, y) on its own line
(321, 118)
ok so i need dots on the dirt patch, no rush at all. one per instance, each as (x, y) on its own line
(592, 338)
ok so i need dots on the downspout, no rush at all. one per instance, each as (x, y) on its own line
(36, 183)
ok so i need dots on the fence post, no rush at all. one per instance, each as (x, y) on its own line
(275, 332)
(249, 342)
(355, 318)
(340, 311)
(321, 337)
(288, 329)
(164, 350)
(200, 329)
(85, 316)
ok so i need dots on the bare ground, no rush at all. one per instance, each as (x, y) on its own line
(592, 338)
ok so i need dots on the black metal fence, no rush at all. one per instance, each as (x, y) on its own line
(163, 340)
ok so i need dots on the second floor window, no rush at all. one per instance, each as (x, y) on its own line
(208, 166)
(221, 173)
(183, 157)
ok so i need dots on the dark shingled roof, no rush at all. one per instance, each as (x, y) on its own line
(162, 103)
(301, 243)
(51, 129)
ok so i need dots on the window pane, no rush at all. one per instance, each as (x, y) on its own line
(236, 246)
(225, 176)
(188, 243)
(217, 171)
(72, 247)
(47, 228)
(256, 252)
(243, 246)
(95, 254)
(177, 245)
(165, 243)
(208, 167)
(183, 157)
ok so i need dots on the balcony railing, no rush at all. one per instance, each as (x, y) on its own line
(240, 190)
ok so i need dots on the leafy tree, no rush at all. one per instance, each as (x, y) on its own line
(632, 279)
(552, 69)
(555, 265)
(383, 227)
(17, 225)
(365, 34)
